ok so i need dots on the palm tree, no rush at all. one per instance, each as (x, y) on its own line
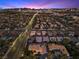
(66, 40)
(63, 57)
(50, 55)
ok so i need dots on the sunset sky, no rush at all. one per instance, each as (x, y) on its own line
(39, 3)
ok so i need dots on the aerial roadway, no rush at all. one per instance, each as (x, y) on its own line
(14, 50)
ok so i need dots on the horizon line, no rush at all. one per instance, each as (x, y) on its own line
(38, 8)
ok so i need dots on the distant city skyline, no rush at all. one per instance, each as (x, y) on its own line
(39, 4)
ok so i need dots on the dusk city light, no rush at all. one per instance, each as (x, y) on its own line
(39, 3)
